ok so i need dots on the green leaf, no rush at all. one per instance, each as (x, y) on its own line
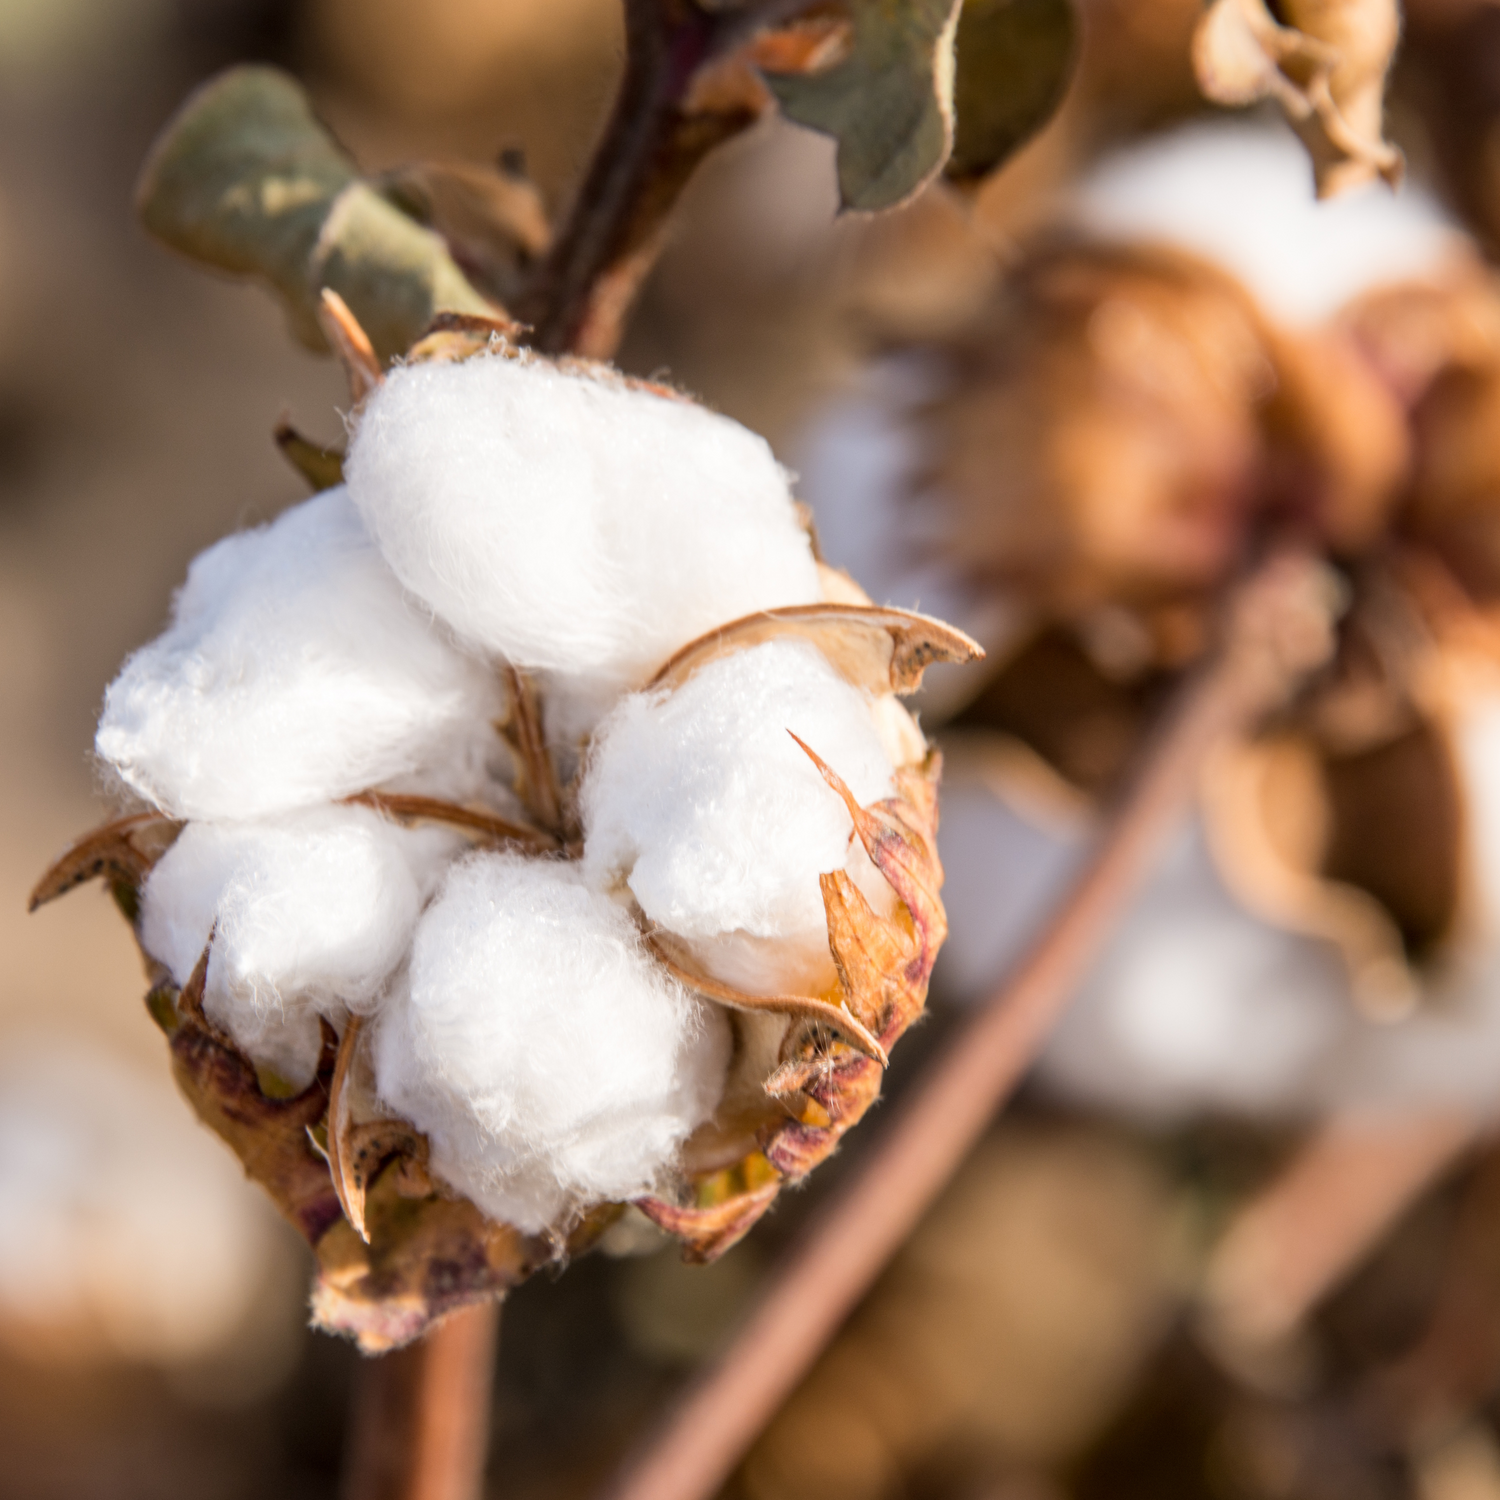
(1014, 61)
(246, 178)
(889, 102)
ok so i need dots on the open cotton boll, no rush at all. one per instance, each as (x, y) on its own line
(314, 911)
(569, 522)
(547, 1057)
(1240, 192)
(704, 805)
(295, 671)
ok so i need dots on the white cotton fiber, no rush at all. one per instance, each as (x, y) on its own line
(295, 671)
(570, 523)
(315, 909)
(1240, 192)
(548, 1058)
(703, 804)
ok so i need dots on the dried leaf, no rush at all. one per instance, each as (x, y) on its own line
(889, 103)
(678, 962)
(879, 650)
(270, 1136)
(350, 343)
(121, 852)
(245, 178)
(1013, 63)
(322, 468)
(823, 1085)
(1324, 62)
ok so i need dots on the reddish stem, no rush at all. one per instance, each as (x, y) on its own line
(420, 1425)
(711, 1428)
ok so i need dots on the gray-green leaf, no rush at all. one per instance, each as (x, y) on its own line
(889, 103)
(246, 178)
(1014, 60)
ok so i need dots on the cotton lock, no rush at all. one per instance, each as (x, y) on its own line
(570, 522)
(550, 1061)
(310, 914)
(295, 671)
(705, 807)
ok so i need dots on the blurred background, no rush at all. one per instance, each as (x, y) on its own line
(1069, 1322)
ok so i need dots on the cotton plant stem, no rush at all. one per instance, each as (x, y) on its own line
(712, 1427)
(420, 1425)
(1319, 1218)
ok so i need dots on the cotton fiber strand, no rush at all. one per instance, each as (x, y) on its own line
(570, 523)
(295, 671)
(705, 807)
(314, 910)
(548, 1058)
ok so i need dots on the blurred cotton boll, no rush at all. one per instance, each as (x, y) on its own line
(1240, 193)
(1197, 1003)
(127, 1234)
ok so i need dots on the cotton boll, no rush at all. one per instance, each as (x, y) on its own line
(570, 523)
(126, 1234)
(1195, 1005)
(1240, 192)
(314, 911)
(860, 467)
(549, 1059)
(295, 671)
(702, 803)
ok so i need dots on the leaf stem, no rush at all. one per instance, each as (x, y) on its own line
(940, 1121)
(420, 1426)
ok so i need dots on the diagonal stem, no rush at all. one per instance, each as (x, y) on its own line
(1267, 645)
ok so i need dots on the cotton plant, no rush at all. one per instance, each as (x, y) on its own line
(527, 826)
(1200, 362)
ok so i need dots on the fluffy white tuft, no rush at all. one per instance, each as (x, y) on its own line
(547, 1057)
(314, 910)
(1240, 192)
(295, 671)
(568, 522)
(704, 805)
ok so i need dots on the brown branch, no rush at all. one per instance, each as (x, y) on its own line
(1319, 1218)
(1272, 636)
(420, 1424)
(653, 142)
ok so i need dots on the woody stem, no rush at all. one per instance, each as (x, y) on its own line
(420, 1424)
(941, 1120)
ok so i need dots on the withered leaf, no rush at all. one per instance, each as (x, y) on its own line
(879, 650)
(679, 964)
(1324, 62)
(1013, 62)
(823, 1085)
(322, 468)
(121, 852)
(247, 179)
(888, 103)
